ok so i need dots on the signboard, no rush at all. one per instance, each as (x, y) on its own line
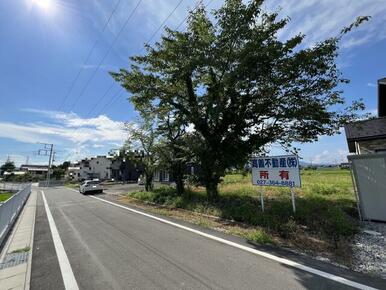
(280, 171)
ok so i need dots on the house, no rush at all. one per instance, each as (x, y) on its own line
(96, 167)
(125, 170)
(369, 136)
(165, 176)
(39, 171)
(73, 172)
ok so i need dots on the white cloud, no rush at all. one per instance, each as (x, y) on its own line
(320, 19)
(371, 85)
(329, 157)
(66, 128)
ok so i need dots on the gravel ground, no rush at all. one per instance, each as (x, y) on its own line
(370, 249)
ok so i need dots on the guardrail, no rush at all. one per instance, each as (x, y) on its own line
(12, 186)
(10, 209)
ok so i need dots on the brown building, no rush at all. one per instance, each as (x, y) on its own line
(369, 136)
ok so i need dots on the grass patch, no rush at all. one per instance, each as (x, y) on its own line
(73, 185)
(4, 196)
(23, 250)
(325, 220)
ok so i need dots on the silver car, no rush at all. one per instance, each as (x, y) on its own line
(90, 186)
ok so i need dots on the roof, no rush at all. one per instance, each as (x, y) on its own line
(34, 167)
(366, 130)
(371, 129)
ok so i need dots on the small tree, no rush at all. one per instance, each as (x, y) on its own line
(173, 149)
(58, 172)
(8, 166)
(240, 85)
(143, 139)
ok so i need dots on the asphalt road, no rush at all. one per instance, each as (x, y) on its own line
(119, 188)
(112, 248)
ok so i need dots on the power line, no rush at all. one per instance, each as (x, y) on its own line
(105, 55)
(163, 22)
(77, 76)
(195, 8)
(112, 100)
(116, 96)
(87, 58)
(100, 99)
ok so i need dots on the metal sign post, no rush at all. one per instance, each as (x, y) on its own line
(293, 199)
(262, 198)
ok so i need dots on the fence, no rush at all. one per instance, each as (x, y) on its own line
(369, 172)
(10, 209)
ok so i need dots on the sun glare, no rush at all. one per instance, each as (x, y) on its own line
(46, 5)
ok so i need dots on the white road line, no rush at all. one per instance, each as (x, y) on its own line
(65, 267)
(254, 251)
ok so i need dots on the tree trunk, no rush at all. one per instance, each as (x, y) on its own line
(148, 182)
(178, 174)
(212, 190)
(180, 184)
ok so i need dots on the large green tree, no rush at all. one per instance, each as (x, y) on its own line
(239, 85)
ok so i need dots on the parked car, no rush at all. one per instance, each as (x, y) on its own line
(90, 186)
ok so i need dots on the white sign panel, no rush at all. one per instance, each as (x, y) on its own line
(281, 171)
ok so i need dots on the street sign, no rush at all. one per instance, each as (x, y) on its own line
(280, 171)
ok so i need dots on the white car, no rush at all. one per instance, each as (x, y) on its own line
(90, 186)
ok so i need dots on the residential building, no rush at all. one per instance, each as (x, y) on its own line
(125, 170)
(93, 168)
(369, 136)
(105, 167)
(163, 175)
(39, 171)
(73, 172)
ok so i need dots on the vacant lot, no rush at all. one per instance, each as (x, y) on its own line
(324, 223)
(4, 196)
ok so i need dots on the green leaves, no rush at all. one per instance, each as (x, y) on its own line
(239, 85)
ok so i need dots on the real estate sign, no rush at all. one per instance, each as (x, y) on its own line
(281, 171)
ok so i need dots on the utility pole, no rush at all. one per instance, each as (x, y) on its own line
(47, 150)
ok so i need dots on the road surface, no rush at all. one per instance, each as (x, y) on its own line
(109, 247)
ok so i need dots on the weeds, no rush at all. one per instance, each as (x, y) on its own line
(22, 250)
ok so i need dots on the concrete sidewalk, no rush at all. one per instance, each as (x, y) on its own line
(15, 259)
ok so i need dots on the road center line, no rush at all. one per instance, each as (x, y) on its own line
(254, 251)
(65, 267)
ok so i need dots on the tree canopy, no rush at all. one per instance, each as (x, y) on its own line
(8, 166)
(239, 85)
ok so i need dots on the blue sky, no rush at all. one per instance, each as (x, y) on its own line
(44, 43)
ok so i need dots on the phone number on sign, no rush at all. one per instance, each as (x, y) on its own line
(288, 183)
